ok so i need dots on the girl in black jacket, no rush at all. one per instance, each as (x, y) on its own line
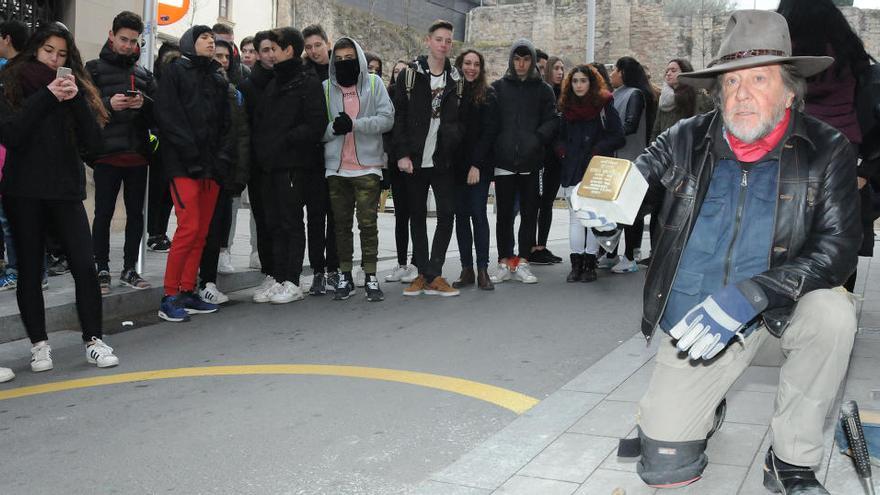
(46, 121)
(473, 172)
(590, 126)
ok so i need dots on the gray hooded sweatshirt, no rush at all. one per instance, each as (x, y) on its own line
(376, 116)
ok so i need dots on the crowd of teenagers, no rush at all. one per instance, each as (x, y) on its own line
(310, 132)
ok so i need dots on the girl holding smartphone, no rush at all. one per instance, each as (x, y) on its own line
(49, 112)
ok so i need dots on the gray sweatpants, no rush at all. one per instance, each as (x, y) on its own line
(682, 396)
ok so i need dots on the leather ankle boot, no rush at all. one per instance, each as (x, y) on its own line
(589, 268)
(781, 477)
(465, 279)
(483, 280)
(577, 268)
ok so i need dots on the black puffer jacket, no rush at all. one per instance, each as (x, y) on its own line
(128, 130)
(412, 114)
(192, 108)
(817, 232)
(254, 87)
(524, 117)
(291, 119)
(44, 139)
(475, 149)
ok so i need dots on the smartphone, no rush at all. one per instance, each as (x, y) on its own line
(63, 72)
(131, 93)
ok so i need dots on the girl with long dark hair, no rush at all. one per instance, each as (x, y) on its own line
(403, 272)
(634, 101)
(818, 27)
(46, 119)
(473, 172)
(590, 126)
(553, 75)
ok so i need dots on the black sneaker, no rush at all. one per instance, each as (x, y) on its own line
(541, 257)
(333, 280)
(57, 265)
(344, 288)
(556, 259)
(104, 282)
(159, 244)
(319, 285)
(371, 286)
(131, 278)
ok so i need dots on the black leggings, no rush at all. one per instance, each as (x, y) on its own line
(401, 213)
(551, 176)
(29, 219)
(218, 235)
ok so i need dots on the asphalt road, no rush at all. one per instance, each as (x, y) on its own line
(304, 434)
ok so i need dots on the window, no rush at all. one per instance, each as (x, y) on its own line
(34, 13)
(225, 9)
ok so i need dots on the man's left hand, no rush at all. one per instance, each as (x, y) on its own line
(710, 326)
(136, 102)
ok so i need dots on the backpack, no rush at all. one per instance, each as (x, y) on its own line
(868, 110)
(410, 81)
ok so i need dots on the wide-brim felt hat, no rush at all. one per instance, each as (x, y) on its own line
(754, 38)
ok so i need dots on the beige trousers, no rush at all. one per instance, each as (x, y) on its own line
(682, 396)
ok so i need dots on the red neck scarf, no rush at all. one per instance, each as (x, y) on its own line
(752, 152)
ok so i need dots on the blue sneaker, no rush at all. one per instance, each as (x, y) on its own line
(172, 309)
(194, 304)
(8, 281)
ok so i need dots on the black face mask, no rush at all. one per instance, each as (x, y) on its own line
(347, 72)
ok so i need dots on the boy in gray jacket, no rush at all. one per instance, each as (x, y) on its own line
(359, 111)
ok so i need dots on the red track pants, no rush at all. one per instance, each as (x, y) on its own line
(194, 202)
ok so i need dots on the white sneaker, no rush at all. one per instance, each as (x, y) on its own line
(6, 375)
(224, 263)
(625, 266)
(411, 274)
(212, 294)
(524, 274)
(285, 293)
(360, 278)
(502, 274)
(255, 261)
(261, 294)
(396, 274)
(606, 263)
(41, 357)
(97, 352)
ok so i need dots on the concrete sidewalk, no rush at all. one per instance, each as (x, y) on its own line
(567, 444)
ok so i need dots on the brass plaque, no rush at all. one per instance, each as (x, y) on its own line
(604, 178)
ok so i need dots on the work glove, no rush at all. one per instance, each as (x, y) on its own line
(342, 125)
(710, 326)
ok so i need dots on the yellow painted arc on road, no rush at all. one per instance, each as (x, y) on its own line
(508, 399)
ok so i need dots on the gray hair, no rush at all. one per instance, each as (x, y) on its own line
(791, 78)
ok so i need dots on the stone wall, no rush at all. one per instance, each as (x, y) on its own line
(638, 28)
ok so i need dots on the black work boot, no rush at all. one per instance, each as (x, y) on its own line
(577, 268)
(589, 268)
(788, 479)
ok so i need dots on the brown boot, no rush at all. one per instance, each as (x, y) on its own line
(465, 279)
(483, 280)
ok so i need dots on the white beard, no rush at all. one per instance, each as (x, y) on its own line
(750, 135)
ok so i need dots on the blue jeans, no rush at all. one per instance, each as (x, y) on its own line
(470, 206)
(12, 259)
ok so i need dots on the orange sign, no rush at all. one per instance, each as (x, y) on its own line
(171, 11)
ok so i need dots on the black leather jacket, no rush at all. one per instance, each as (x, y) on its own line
(816, 234)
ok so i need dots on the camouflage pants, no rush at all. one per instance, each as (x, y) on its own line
(350, 197)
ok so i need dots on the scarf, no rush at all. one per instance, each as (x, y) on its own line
(35, 75)
(581, 110)
(667, 98)
(752, 152)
